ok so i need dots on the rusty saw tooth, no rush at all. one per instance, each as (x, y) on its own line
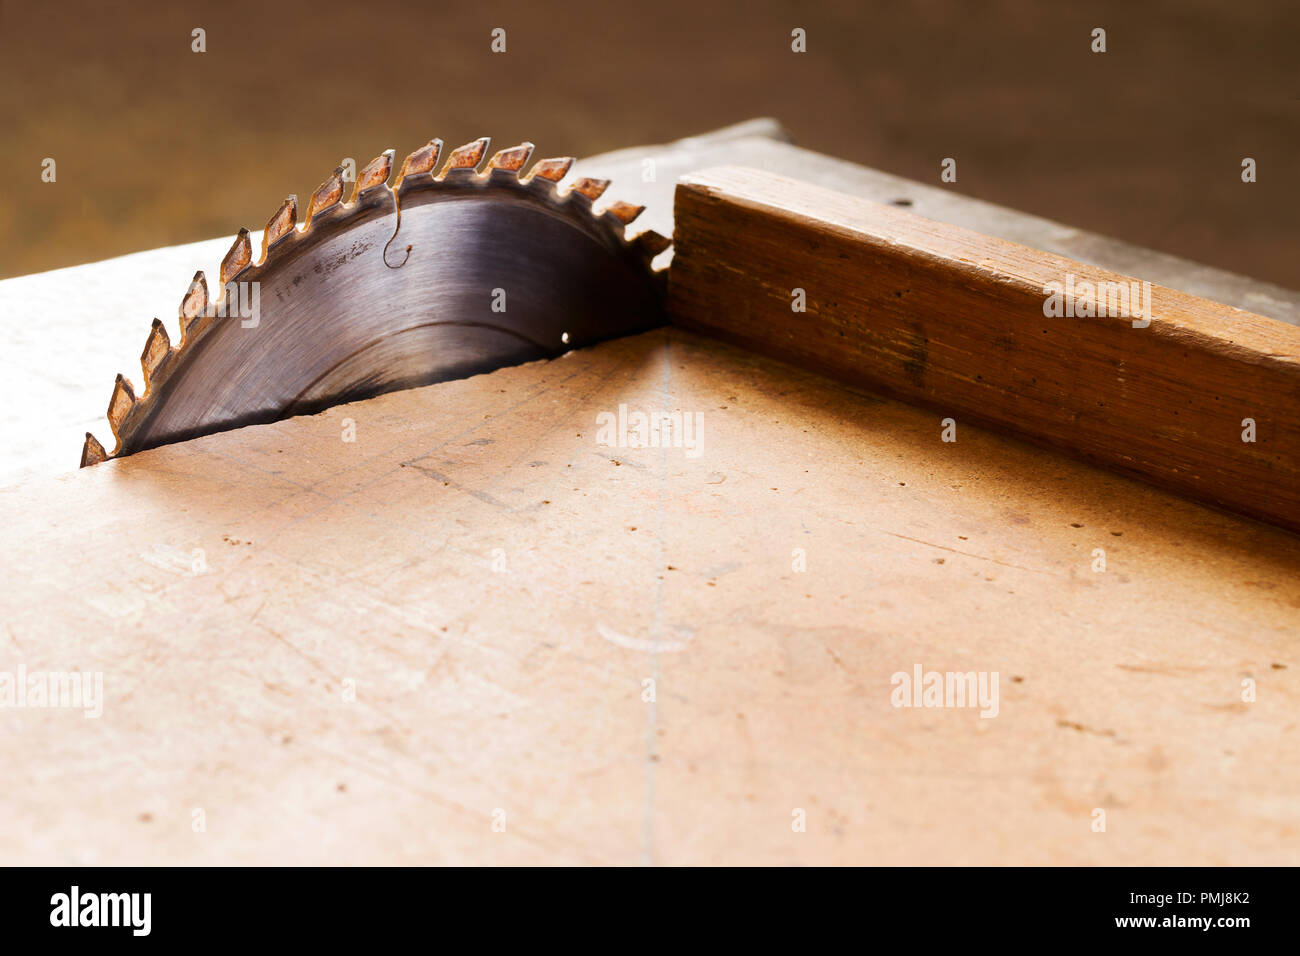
(238, 258)
(280, 225)
(120, 405)
(652, 243)
(550, 170)
(587, 190)
(464, 160)
(193, 305)
(375, 173)
(157, 349)
(622, 213)
(420, 163)
(92, 452)
(327, 195)
(508, 162)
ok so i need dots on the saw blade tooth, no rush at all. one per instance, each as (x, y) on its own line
(194, 304)
(120, 405)
(238, 258)
(510, 161)
(375, 173)
(422, 162)
(464, 160)
(92, 452)
(157, 347)
(589, 189)
(327, 194)
(652, 243)
(551, 170)
(281, 224)
(623, 212)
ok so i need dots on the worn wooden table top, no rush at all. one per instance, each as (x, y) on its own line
(431, 644)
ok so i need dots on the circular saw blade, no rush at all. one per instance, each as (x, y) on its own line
(443, 275)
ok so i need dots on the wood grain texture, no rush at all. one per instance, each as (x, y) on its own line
(518, 685)
(953, 319)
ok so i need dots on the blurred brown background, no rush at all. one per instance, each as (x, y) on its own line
(158, 145)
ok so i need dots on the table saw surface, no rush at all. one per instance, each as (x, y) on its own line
(365, 651)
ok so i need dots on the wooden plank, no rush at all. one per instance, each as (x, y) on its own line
(955, 320)
(496, 586)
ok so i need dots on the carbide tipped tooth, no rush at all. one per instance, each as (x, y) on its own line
(376, 173)
(551, 170)
(194, 304)
(120, 405)
(156, 349)
(590, 189)
(92, 452)
(421, 162)
(327, 194)
(624, 212)
(281, 224)
(511, 160)
(465, 159)
(652, 242)
(239, 256)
